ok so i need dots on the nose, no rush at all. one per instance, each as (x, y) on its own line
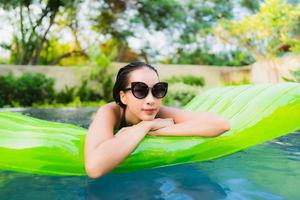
(150, 100)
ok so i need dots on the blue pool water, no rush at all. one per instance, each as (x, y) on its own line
(267, 171)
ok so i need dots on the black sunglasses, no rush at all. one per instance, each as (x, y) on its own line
(140, 90)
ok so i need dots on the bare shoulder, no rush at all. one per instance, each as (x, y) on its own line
(111, 110)
(102, 126)
(113, 107)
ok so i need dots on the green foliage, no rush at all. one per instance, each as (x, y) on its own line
(180, 94)
(4, 60)
(82, 93)
(245, 81)
(251, 5)
(66, 95)
(182, 89)
(188, 24)
(97, 85)
(231, 58)
(26, 90)
(187, 79)
(191, 20)
(33, 26)
(101, 77)
(75, 103)
(156, 14)
(34, 88)
(63, 54)
(200, 17)
(295, 77)
(7, 85)
(265, 33)
(38, 91)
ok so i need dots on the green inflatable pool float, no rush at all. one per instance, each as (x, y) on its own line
(257, 113)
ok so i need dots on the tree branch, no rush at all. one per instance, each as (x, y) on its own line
(37, 53)
(22, 34)
(66, 55)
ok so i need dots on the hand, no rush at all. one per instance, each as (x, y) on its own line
(159, 123)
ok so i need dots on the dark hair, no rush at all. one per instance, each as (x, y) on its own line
(123, 76)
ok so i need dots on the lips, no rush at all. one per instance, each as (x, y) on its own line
(149, 111)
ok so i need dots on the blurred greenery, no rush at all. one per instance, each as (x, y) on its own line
(260, 30)
(245, 81)
(269, 33)
(38, 91)
(96, 86)
(26, 90)
(75, 103)
(230, 58)
(40, 25)
(187, 79)
(182, 89)
(295, 76)
(7, 85)
(179, 94)
(32, 28)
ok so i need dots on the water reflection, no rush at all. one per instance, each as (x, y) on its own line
(176, 182)
(78, 116)
(19, 186)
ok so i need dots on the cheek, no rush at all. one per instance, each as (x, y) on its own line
(135, 105)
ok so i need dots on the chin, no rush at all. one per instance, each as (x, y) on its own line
(148, 117)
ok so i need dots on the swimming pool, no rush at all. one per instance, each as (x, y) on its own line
(267, 171)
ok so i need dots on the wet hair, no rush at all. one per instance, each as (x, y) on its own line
(123, 77)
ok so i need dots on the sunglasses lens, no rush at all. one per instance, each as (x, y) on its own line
(140, 90)
(160, 90)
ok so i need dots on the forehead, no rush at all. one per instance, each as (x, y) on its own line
(145, 75)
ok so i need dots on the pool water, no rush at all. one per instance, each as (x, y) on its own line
(267, 171)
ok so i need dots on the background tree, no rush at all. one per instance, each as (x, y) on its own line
(187, 25)
(266, 34)
(32, 25)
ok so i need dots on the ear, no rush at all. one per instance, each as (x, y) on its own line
(123, 97)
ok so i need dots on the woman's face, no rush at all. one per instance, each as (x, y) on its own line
(137, 108)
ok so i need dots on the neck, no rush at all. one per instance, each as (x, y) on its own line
(130, 118)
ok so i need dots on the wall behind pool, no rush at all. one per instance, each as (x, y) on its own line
(71, 76)
(258, 73)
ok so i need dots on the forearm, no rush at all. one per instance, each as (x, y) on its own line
(112, 152)
(192, 128)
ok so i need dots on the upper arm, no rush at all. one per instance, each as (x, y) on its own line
(102, 127)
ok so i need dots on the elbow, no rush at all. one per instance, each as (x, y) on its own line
(92, 170)
(226, 125)
(93, 175)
